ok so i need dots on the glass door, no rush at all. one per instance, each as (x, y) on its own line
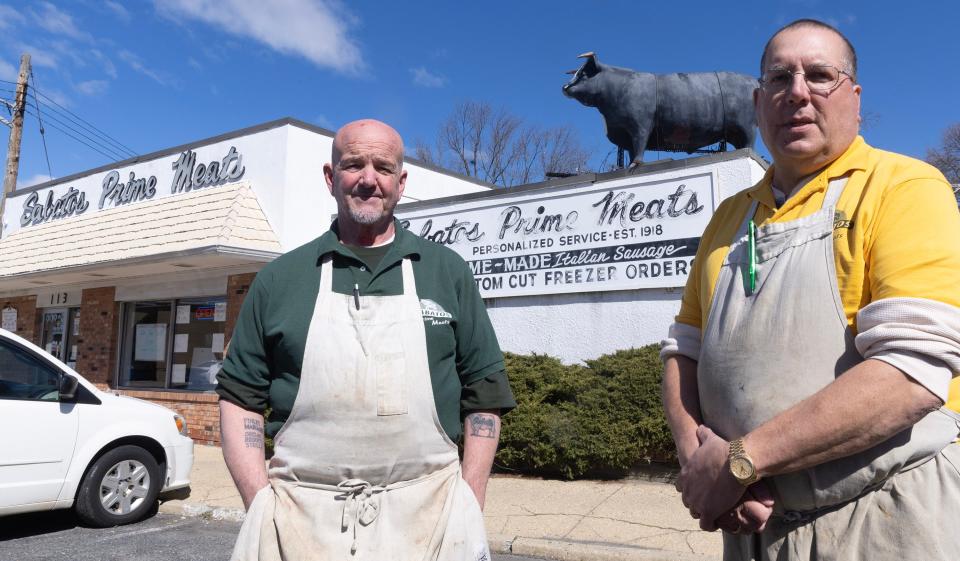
(53, 332)
(73, 331)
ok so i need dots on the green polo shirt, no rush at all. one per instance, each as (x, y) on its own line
(262, 367)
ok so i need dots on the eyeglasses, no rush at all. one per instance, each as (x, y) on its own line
(820, 78)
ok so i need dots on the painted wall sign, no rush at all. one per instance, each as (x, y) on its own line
(71, 203)
(188, 174)
(114, 192)
(616, 235)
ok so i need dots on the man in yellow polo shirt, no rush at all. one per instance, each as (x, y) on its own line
(819, 336)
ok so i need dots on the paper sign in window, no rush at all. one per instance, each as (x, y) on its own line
(179, 373)
(151, 342)
(217, 345)
(180, 342)
(220, 311)
(183, 314)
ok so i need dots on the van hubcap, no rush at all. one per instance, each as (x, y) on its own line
(124, 487)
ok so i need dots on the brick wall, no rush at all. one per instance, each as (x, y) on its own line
(237, 288)
(97, 341)
(27, 317)
(199, 409)
(98, 335)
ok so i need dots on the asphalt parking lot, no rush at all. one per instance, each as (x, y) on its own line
(57, 536)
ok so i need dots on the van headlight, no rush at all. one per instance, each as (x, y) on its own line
(181, 424)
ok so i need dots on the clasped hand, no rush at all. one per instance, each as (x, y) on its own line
(712, 494)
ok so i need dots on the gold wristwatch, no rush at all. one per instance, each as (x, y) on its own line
(741, 464)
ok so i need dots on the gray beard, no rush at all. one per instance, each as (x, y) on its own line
(366, 218)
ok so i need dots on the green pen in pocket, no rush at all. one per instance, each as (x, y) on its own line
(752, 248)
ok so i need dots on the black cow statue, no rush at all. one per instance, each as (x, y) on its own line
(669, 112)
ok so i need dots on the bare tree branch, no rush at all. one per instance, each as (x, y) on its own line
(500, 148)
(946, 157)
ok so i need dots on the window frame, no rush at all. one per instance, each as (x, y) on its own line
(42, 361)
(125, 343)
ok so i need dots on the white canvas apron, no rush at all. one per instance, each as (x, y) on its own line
(763, 352)
(362, 468)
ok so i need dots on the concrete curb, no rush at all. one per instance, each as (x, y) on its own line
(560, 550)
(201, 510)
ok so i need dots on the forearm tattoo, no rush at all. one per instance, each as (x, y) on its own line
(253, 433)
(483, 425)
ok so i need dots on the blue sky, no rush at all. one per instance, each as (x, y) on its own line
(154, 74)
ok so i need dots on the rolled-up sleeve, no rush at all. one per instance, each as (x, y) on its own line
(245, 377)
(913, 318)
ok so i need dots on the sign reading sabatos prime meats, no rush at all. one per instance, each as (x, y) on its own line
(617, 235)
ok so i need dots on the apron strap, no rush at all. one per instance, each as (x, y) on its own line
(742, 231)
(363, 499)
(834, 190)
(326, 273)
(409, 284)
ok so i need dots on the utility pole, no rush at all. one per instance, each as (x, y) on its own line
(16, 133)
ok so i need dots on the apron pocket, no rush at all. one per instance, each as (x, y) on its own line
(391, 372)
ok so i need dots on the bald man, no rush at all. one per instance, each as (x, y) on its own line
(373, 351)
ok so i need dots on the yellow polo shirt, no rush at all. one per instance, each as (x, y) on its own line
(897, 234)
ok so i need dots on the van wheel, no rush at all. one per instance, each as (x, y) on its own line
(119, 488)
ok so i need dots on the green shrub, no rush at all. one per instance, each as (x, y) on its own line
(598, 420)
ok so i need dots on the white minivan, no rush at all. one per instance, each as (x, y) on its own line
(64, 443)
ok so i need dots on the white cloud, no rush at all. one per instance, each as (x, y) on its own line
(137, 64)
(59, 23)
(324, 122)
(92, 87)
(118, 10)
(8, 71)
(316, 30)
(108, 67)
(31, 181)
(54, 95)
(194, 63)
(9, 17)
(423, 77)
(39, 57)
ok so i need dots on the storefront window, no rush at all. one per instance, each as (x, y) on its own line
(173, 344)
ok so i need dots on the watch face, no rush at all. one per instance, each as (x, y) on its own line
(741, 468)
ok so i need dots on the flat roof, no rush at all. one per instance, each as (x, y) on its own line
(284, 121)
(641, 170)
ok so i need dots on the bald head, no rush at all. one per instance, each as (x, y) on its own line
(849, 57)
(367, 131)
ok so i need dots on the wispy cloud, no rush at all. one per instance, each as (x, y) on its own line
(324, 122)
(92, 87)
(58, 22)
(312, 29)
(108, 67)
(425, 78)
(39, 57)
(194, 63)
(10, 17)
(8, 71)
(118, 10)
(33, 180)
(137, 64)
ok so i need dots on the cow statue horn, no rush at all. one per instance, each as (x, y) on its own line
(588, 55)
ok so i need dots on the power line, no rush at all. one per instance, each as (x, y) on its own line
(66, 119)
(53, 119)
(111, 157)
(43, 135)
(91, 125)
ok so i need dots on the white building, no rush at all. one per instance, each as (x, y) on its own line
(584, 266)
(133, 273)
